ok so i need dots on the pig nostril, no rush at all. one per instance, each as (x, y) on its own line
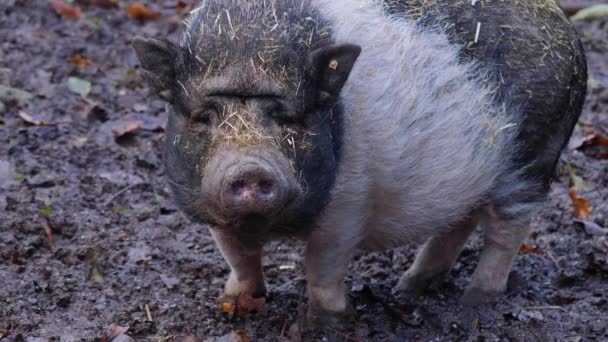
(237, 187)
(265, 187)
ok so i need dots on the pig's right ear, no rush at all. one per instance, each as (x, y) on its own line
(157, 58)
(329, 69)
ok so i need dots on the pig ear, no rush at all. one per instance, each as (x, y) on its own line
(330, 67)
(157, 58)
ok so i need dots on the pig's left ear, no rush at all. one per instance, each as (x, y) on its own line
(329, 69)
(157, 58)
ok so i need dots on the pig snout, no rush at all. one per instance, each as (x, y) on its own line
(253, 188)
(244, 184)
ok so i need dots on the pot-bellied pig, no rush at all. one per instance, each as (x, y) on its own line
(367, 124)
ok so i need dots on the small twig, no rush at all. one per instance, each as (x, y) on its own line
(47, 229)
(548, 307)
(283, 329)
(553, 260)
(346, 336)
(113, 197)
(148, 313)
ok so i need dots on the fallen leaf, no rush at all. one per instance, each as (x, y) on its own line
(581, 205)
(79, 61)
(600, 139)
(125, 127)
(227, 307)
(115, 330)
(529, 249)
(79, 86)
(592, 228)
(591, 13)
(588, 136)
(580, 141)
(30, 120)
(575, 181)
(141, 12)
(66, 10)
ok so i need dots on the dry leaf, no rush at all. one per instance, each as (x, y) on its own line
(140, 12)
(115, 330)
(227, 307)
(575, 180)
(600, 139)
(32, 121)
(529, 249)
(589, 136)
(125, 128)
(66, 10)
(80, 61)
(581, 205)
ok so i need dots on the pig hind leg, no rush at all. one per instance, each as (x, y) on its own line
(435, 258)
(505, 225)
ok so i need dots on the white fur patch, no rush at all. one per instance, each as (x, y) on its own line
(423, 142)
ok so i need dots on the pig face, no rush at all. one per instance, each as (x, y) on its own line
(249, 151)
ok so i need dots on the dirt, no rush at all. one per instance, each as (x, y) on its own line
(90, 240)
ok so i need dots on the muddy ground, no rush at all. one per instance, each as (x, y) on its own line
(89, 236)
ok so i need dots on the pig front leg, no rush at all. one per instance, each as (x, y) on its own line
(328, 253)
(246, 274)
(502, 239)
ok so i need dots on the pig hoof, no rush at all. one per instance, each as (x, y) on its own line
(415, 284)
(240, 305)
(476, 296)
(319, 319)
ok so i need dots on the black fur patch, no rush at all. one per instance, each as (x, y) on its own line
(534, 57)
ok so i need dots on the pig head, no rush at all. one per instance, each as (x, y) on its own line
(247, 149)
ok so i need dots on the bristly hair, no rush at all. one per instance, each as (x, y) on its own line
(272, 36)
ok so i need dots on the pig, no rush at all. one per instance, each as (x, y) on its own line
(366, 124)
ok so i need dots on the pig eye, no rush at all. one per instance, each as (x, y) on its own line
(277, 113)
(202, 117)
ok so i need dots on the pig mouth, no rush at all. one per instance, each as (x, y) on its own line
(252, 225)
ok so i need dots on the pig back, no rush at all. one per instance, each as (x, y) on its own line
(534, 57)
